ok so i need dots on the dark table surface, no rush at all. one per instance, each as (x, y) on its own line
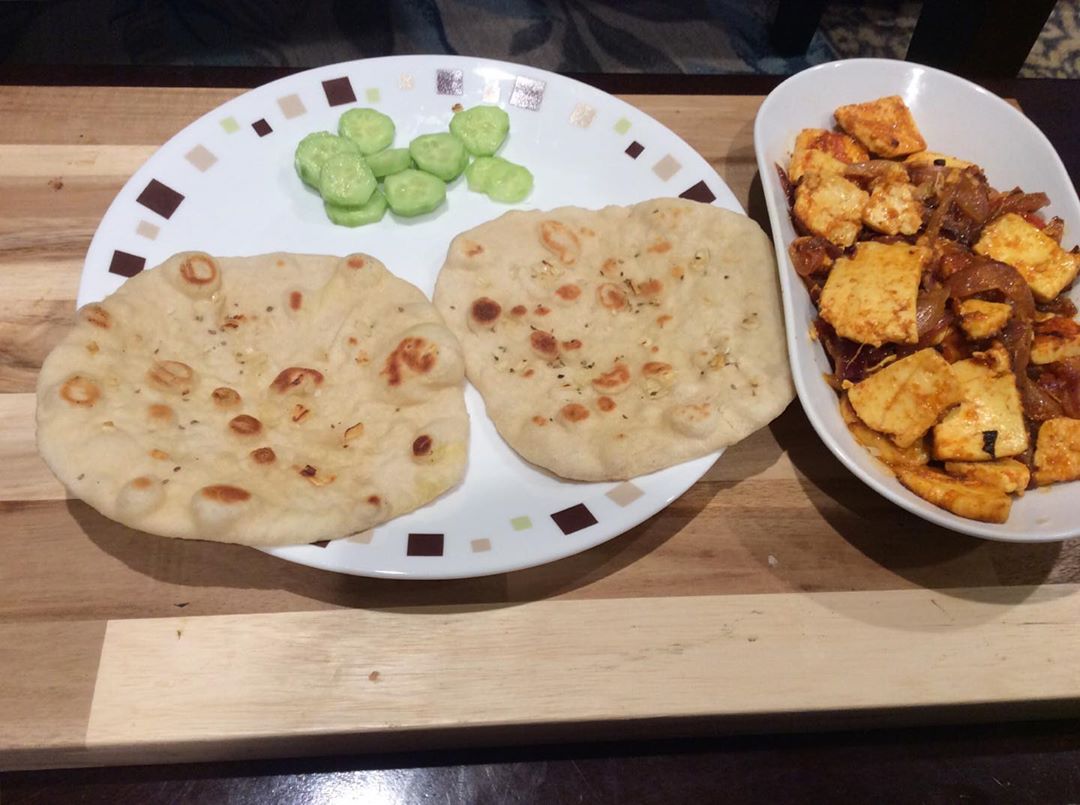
(1013, 762)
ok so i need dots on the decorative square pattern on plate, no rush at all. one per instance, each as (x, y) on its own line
(522, 523)
(528, 93)
(291, 106)
(622, 125)
(666, 167)
(126, 265)
(339, 91)
(582, 115)
(449, 82)
(625, 493)
(372, 94)
(492, 91)
(406, 81)
(230, 125)
(480, 545)
(147, 230)
(634, 149)
(201, 158)
(262, 128)
(425, 545)
(321, 543)
(574, 519)
(699, 192)
(160, 198)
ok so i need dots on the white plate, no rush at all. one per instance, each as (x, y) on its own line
(956, 117)
(232, 173)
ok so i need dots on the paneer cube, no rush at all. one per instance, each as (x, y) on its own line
(906, 398)
(881, 447)
(1007, 474)
(893, 209)
(1055, 340)
(981, 319)
(830, 206)
(989, 422)
(871, 296)
(1041, 261)
(962, 496)
(811, 145)
(884, 126)
(934, 158)
(1057, 451)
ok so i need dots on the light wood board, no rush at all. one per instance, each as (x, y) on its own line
(778, 587)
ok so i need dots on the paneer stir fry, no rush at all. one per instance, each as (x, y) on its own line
(943, 305)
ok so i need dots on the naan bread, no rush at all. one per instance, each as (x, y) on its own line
(264, 400)
(611, 343)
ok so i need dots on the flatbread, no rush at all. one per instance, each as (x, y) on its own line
(611, 343)
(263, 400)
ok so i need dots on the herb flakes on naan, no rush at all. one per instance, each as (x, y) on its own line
(611, 343)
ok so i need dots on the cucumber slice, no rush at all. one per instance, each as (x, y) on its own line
(479, 173)
(391, 160)
(314, 150)
(482, 129)
(368, 213)
(441, 155)
(346, 180)
(501, 179)
(412, 192)
(370, 129)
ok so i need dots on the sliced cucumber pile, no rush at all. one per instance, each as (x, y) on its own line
(346, 168)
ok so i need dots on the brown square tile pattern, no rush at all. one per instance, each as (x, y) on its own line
(666, 167)
(634, 149)
(574, 519)
(126, 265)
(528, 93)
(425, 545)
(699, 192)
(160, 198)
(201, 158)
(262, 128)
(339, 91)
(625, 493)
(147, 230)
(449, 82)
(291, 106)
(481, 545)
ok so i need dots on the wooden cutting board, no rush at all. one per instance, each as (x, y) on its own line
(778, 592)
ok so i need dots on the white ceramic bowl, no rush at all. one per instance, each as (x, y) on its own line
(958, 118)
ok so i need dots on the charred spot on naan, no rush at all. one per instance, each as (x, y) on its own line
(225, 398)
(605, 404)
(80, 391)
(568, 292)
(96, 316)
(297, 380)
(219, 506)
(611, 297)
(484, 313)
(414, 353)
(196, 275)
(172, 376)
(245, 425)
(263, 455)
(696, 420)
(159, 414)
(613, 381)
(544, 344)
(573, 413)
(560, 240)
(140, 496)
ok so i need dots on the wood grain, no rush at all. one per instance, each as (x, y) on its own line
(205, 686)
(850, 601)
